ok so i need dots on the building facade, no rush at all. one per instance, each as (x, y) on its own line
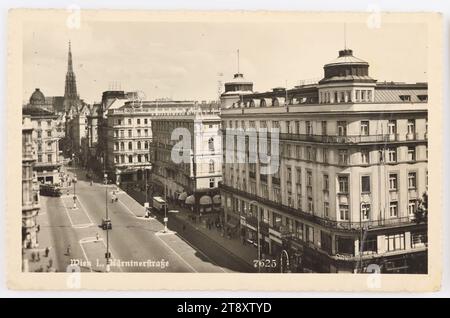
(351, 158)
(186, 153)
(46, 138)
(128, 138)
(30, 190)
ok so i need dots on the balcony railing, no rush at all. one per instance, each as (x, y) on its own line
(349, 139)
(338, 225)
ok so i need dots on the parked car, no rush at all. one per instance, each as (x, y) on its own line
(50, 190)
(106, 224)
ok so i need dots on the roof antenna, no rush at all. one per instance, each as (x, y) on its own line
(345, 36)
(238, 61)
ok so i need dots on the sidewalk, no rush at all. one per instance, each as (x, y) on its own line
(44, 264)
(234, 246)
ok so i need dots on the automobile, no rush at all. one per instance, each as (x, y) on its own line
(106, 224)
(50, 190)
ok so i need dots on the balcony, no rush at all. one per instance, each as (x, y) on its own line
(337, 225)
(352, 139)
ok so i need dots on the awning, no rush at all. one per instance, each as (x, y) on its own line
(182, 196)
(205, 200)
(190, 200)
(217, 199)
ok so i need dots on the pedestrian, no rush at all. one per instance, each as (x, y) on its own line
(38, 257)
(38, 228)
(33, 256)
(97, 237)
(50, 263)
(47, 251)
(68, 250)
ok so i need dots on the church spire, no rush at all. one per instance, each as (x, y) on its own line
(70, 91)
(69, 61)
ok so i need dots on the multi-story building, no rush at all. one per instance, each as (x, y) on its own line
(46, 138)
(186, 154)
(351, 168)
(30, 197)
(128, 138)
(91, 142)
(113, 100)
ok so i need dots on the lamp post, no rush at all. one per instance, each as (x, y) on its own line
(257, 232)
(284, 252)
(165, 208)
(74, 181)
(146, 204)
(361, 236)
(107, 255)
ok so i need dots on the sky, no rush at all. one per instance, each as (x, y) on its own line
(186, 61)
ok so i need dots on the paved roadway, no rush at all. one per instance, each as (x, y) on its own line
(132, 238)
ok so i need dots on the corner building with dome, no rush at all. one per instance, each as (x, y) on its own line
(352, 171)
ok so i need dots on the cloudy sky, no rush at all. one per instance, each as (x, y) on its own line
(185, 60)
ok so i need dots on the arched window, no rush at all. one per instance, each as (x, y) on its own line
(130, 159)
(146, 145)
(275, 102)
(211, 144)
(122, 146)
(211, 166)
(130, 146)
(263, 103)
(139, 145)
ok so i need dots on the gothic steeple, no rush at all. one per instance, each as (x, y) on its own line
(70, 92)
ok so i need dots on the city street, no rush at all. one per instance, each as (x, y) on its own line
(132, 239)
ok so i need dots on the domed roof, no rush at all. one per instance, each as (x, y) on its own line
(346, 57)
(37, 97)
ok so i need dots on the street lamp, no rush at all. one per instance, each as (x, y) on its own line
(257, 232)
(74, 181)
(107, 255)
(165, 208)
(284, 252)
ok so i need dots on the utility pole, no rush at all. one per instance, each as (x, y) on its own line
(165, 207)
(107, 255)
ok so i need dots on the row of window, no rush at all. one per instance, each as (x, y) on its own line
(343, 180)
(48, 133)
(346, 96)
(388, 155)
(49, 158)
(343, 188)
(294, 127)
(130, 121)
(344, 244)
(49, 123)
(131, 158)
(49, 146)
(139, 133)
(121, 146)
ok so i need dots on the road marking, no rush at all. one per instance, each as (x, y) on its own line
(177, 254)
(76, 226)
(85, 210)
(82, 226)
(128, 209)
(85, 256)
(67, 212)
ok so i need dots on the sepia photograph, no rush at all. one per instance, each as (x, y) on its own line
(225, 143)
